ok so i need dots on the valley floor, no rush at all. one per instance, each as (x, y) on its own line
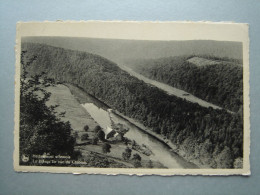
(179, 154)
(78, 118)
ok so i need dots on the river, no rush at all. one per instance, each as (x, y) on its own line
(170, 90)
(161, 151)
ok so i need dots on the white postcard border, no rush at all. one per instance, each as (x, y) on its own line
(221, 31)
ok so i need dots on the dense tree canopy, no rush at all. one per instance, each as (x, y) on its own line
(217, 80)
(214, 134)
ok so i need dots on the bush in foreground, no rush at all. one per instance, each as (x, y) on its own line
(106, 148)
(94, 141)
(84, 137)
(97, 128)
(101, 135)
(127, 154)
(86, 127)
(41, 130)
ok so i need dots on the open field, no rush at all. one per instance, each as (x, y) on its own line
(75, 114)
(202, 61)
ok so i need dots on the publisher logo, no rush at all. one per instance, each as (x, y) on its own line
(25, 158)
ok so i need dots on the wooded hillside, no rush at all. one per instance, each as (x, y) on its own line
(220, 82)
(213, 136)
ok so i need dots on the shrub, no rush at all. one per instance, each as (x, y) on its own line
(75, 135)
(106, 148)
(137, 157)
(86, 127)
(127, 154)
(94, 141)
(97, 129)
(137, 160)
(137, 164)
(84, 137)
(101, 135)
(127, 141)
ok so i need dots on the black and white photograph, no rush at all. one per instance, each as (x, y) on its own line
(123, 102)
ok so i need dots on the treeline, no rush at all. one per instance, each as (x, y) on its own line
(213, 136)
(41, 129)
(220, 83)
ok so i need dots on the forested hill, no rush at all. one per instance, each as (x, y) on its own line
(216, 80)
(213, 136)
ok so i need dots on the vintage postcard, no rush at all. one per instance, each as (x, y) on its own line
(164, 98)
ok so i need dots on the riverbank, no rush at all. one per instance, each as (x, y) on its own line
(84, 97)
(187, 162)
(78, 117)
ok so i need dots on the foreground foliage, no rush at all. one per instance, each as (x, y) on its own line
(41, 131)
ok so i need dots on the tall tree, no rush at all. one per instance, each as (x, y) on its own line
(41, 131)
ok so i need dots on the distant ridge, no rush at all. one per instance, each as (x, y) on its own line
(119, 50)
